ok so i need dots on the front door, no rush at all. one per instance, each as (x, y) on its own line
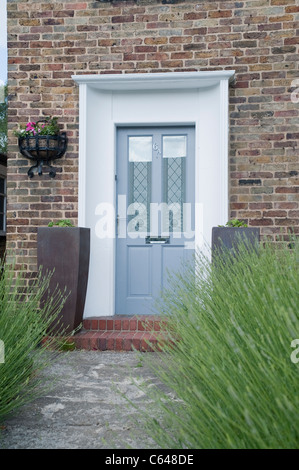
(155, 212)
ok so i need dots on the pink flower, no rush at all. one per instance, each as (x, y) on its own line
(30, 126)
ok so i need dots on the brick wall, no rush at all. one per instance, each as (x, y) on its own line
(51, 40)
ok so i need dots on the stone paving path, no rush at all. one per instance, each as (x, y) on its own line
(85, 410)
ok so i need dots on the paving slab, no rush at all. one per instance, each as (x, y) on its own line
(86, 409)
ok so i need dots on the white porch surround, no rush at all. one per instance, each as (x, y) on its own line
(176, 98)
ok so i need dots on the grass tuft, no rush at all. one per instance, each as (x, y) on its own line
(23, 325)
(230, 378)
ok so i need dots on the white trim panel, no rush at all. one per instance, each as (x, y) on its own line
(108, 101)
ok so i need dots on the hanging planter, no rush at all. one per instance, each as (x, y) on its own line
(42, 143)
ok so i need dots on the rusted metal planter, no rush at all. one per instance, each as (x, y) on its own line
(227, 238)
(66, 250)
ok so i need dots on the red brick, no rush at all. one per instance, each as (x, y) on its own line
(87, 324)
(127, 344)
(110, 343)
(102, 324)
(287, 190)
(136, 343)
(93, 342)
(141, 325)
(292, 9)
(220, 14)
(293, 214)
(119, 343)
(94, 324)
(123, 19)
(195, 15)
(133, 325)
(156, 40)
(139, 49)
(287, 222)
(76, 6)
(102, 343)
(286, 205)
(125, 324)
(117, 325)
(275, 213)
(260, 205)
(260, 222)
(238, 205)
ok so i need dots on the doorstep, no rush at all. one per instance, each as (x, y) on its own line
(121, 333)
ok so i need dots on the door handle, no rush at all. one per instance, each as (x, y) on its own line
(153, 240)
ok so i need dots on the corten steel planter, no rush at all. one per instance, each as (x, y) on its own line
(66, 251)
(227, 238)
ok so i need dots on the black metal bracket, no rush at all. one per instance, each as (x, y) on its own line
(37, 168)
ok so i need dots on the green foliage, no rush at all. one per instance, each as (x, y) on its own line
(62, 344)
(230, 381)
(49, 127)
(23, 325)
(234, 223)
(61, 223)
(3, 122)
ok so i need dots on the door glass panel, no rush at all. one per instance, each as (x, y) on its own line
(174, 146)
(174, 181)
(140, 170)
(140, 148)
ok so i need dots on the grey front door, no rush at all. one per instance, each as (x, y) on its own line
(155, 212)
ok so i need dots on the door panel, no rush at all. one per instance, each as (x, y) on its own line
(172, 258)
(155, 175)
(139, 271)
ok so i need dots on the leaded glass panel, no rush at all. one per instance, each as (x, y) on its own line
(174, 180)
(140, 169)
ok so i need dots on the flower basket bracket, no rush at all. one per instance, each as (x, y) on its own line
(43, 147)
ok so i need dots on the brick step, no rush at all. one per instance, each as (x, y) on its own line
(123, 323)
(120, 333)
(110, 340)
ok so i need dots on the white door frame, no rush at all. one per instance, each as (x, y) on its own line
(175, 98)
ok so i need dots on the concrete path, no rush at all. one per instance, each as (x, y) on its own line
(85, 410)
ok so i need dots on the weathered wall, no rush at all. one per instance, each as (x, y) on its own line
(50, 41)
